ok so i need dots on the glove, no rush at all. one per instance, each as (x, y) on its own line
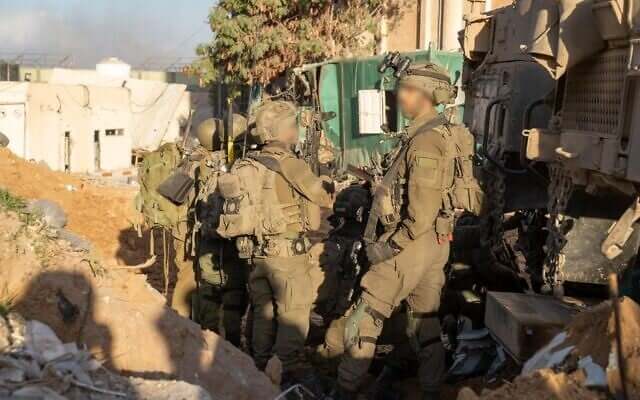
(379, 252)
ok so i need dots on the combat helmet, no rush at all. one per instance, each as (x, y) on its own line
(211, 131)
(272, 118)
(432, 80)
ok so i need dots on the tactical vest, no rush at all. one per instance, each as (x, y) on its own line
(208, 203)
(459, 187)
(261, 210)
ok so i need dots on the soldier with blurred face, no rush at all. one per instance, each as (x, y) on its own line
(407, 238)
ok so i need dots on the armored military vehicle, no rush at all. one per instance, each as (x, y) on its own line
(552, 96)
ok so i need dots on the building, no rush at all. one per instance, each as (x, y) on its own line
(94, 120)
(71, 128)
(423, 24)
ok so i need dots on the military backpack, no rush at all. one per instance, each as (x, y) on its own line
(155, 169)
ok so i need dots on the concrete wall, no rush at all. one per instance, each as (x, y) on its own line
(433, 23)
(404, 33)
(71, 127)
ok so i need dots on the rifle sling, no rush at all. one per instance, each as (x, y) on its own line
(273, 164)
(392, 174)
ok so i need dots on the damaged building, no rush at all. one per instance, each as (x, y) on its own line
(85, 121)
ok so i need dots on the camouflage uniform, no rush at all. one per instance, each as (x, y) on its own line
(409, 257)
(280, 279)
(220, 276)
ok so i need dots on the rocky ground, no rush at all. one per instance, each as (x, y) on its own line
(582, 361)
(88, 298)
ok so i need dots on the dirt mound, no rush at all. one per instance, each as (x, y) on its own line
(103, 215)
(544, 384)
(592, 333)
(589, 333)
(117, 315)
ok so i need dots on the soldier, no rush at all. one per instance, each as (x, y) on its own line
(407, 237)
(280, 281)
(220, 274)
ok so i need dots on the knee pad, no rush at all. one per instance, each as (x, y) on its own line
(363, 324)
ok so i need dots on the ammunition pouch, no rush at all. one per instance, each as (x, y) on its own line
(281, 247)
(466, 194)
(444, 226)
(245, 246)
(229, 186)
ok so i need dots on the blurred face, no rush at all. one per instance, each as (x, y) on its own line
(289, 134)
(413, 102)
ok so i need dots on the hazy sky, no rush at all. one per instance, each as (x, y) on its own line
(89, 30)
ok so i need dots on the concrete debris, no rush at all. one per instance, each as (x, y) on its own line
(549, 356)
(123, 322)
(581, 362)
(76, 241)
(50, 212)
(596, 376)
(41, 366)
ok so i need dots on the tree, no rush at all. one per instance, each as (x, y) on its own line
(255, 41)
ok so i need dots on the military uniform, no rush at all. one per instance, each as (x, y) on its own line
(219, 279)
(415, 213)
(283, 278)
(280, 282)
(222, 292)
(186, 285)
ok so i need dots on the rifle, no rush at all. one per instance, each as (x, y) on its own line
(361, 173)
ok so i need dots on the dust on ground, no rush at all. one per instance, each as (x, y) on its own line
(103, 215)
(120, 319)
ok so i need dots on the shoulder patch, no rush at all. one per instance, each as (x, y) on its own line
(426, 162)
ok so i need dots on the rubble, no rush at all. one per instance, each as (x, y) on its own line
(36, 363)
(581, 361)
(123, 322)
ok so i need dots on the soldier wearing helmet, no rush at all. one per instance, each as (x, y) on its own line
(219, 275)
(280, 280)
(407, 238)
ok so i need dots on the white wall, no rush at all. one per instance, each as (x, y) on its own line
(441, 20)
(50, 111)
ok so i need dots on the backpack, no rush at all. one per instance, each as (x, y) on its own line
(251, 206)
(155, 169)
(467, 193)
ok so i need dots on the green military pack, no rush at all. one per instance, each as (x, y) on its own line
(467, 193)
(157, 170)
(251, 206)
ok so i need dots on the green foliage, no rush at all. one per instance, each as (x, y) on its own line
(10, 202)
(257, 40)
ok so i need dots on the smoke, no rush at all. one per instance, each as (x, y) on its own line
(89, 31)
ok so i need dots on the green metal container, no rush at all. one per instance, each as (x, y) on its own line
(339, 82)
